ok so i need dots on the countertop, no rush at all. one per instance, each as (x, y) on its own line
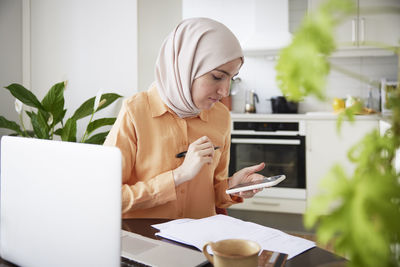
(304, 116)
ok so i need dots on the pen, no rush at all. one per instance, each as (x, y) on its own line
(182, 154)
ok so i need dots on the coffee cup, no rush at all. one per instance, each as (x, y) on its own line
(233, 253)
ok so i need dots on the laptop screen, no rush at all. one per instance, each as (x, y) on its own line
(60, 203)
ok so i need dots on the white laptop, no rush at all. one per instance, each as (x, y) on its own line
(158, 253)
(60, 203)
(61, 206)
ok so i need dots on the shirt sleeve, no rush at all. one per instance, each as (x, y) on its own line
(222, 199)
(137, 194)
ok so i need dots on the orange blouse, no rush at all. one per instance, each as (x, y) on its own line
(149, 136)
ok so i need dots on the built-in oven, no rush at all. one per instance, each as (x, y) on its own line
(280, 144)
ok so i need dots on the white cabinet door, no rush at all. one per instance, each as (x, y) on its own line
(346, 31)
(374, 21)
(325, 147)
(383, 27)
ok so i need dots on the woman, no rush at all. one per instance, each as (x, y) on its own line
(181, 112)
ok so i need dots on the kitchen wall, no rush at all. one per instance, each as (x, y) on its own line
(10, 55)
(258, 72)
(92, 44)
(156, 19)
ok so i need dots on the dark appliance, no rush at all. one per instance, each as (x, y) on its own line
(280, 104)
(280, 144)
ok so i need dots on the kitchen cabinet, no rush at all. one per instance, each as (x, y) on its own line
(325, 147)
(373, 22)
(261, 202)
(262, 27)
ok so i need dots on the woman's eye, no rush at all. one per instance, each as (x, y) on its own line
(217, 77)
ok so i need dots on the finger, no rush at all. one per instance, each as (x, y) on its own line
(204, 146)
(208, 152)
(237, 194)
(255, 191)
(252, 177)
(202, 140)
(255, 168)
(246, 194)
(207, 160)
(199, 145)
(249, 193)
(257, 177)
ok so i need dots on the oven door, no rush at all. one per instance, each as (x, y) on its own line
(282, 155)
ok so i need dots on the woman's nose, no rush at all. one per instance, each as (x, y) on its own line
(223, 90)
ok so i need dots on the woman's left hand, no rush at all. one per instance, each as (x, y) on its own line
(245, 175)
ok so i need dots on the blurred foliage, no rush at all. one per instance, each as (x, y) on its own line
(359, 213)
(47, 116)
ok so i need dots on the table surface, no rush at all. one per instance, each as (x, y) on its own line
(312, 257)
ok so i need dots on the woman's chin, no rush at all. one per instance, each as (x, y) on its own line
(211, 105)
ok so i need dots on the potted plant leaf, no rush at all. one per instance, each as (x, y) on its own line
(47, 116)
(359, 213)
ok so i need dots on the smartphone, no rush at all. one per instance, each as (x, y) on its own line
(266, 182)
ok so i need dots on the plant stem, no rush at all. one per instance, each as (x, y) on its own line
(85, 134)
(22, 124)
(51, 132)
(396, 109)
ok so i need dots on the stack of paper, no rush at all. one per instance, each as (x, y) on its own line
(198, 232)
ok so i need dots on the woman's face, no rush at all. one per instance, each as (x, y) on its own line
(214, 85)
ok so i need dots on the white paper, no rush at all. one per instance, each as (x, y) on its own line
(162, 226)
(218, 227)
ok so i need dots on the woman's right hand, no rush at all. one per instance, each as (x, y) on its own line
(199, 153)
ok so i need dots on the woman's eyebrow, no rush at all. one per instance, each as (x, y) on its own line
(227, 73)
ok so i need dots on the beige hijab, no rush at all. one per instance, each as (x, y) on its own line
(196, 46)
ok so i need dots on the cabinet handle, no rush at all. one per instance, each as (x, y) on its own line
(362, 31)
(265, 203)
(265, 141)
(354, 31)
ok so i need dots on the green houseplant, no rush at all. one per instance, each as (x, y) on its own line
(47, 116)
(358, 213)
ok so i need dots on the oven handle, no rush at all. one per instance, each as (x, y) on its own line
(265, 141)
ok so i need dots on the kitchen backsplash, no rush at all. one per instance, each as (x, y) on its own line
(258, 74)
